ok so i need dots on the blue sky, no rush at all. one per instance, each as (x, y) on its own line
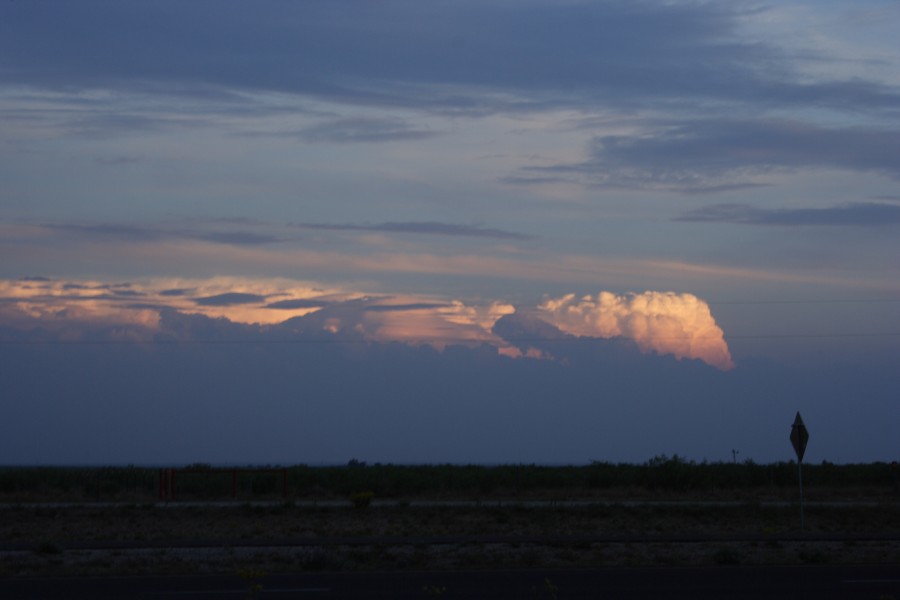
(707, 191)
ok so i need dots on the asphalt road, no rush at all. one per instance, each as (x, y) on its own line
(813, 582)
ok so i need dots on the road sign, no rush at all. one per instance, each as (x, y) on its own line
(799, 436)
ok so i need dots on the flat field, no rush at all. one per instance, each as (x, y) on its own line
(439, 517)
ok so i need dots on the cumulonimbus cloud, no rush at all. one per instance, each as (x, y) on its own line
(662, 322)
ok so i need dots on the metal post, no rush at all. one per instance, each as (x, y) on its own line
(800, 477)
(799, 437)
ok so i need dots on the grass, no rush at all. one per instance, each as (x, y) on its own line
(660, 477)
(666, 496)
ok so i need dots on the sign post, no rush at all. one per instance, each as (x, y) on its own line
(799, 437)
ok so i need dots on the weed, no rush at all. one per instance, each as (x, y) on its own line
(434, 590)
(362, 499)
(251, 579)
(547, 590)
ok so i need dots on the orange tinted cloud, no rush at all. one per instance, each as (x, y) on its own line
(417, 319)
(664, 322)
(138, 302)
(438, 325)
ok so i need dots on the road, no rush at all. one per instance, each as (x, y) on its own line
(716, 583)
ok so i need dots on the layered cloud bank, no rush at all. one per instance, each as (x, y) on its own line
(662, 322)
(40, 309)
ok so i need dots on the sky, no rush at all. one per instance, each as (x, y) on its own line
(470, 232)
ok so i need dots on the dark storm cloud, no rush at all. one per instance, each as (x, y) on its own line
(425, 227)
(291, 402)
(409, 53)
(856, 214)
(722, 154)
(229, 299)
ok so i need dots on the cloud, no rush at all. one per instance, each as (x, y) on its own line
(301, 303)
(703, 156)
(244, 401)
(354, 130)
(887, 198)
(663, 322)
(229, 299)
(148, 233)
(238, 232)
(405, 307)
(45, 252)
(402, 319)
(238, 238)
(666, 323)
(424, 228)
(236, 299)
(174, 292)
(854, 214)
(469, 57)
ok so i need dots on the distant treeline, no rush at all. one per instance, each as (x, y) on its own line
(661, 474)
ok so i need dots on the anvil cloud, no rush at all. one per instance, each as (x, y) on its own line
(35, 308)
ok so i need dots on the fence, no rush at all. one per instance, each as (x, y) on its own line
(169, 477)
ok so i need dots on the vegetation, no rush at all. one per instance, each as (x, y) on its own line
(667, 511)
(661, 476)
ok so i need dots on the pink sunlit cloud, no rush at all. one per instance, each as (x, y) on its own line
(663, 322)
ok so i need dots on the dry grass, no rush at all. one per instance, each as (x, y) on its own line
(392, 537)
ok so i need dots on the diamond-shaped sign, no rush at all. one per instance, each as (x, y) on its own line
(799, 437)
